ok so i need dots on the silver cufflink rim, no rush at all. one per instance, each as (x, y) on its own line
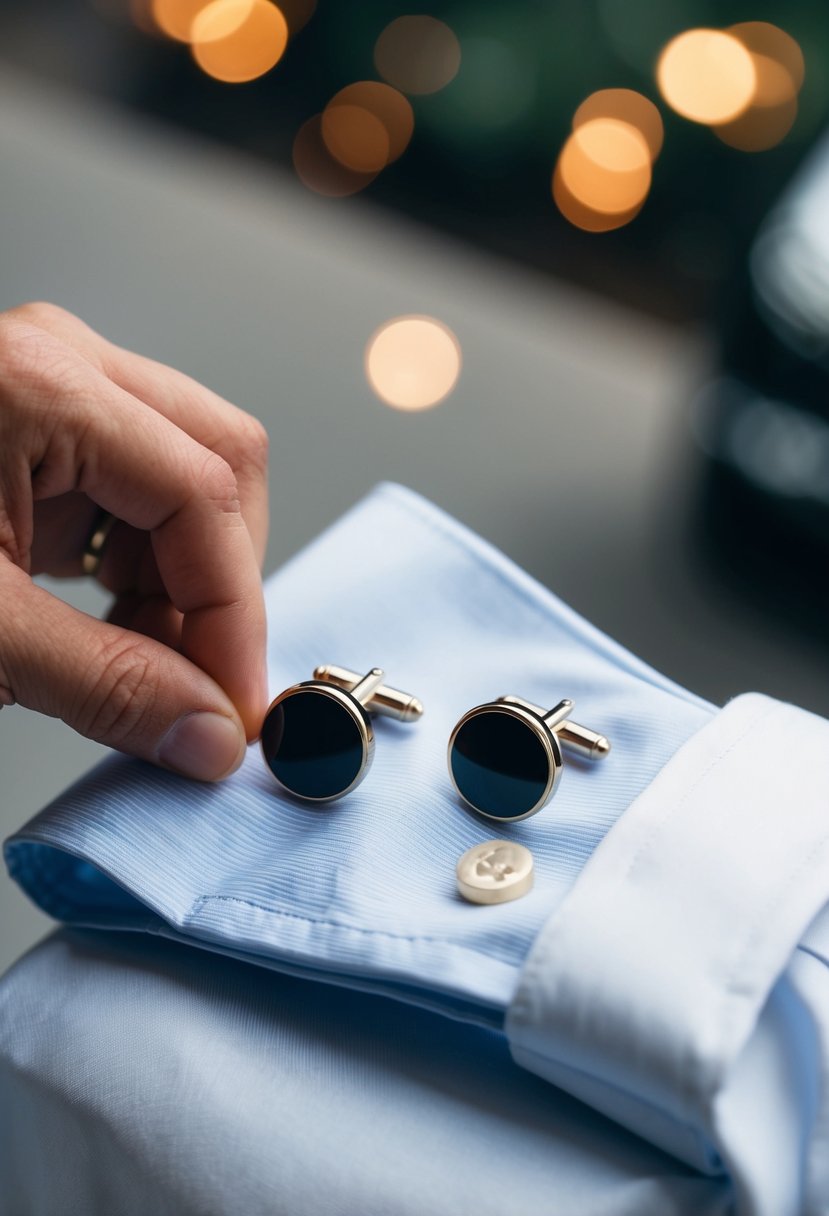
(359, 696)
(552, 728)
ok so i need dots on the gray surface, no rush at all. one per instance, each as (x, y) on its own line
(565, 442)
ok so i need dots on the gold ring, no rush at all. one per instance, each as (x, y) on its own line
(94, 548)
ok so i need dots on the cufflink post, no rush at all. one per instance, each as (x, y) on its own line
(586, 743)
(371, 692)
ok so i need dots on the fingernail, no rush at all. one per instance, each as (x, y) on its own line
(203, 745)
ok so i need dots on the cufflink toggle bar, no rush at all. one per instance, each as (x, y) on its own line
(369, 690)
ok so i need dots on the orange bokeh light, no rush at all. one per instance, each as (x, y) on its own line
(707, 76)
(317, 169)
(763, 38)
(417, 54)
(138, 13)
(297, 13)
(143, 18)
(771, 114)
(238, 40)
(584, 217)
(606, 165)
(175, 17)
(779, 68)
(603, 174)
(367, 125)
(413, 362)
(627, 106)
(356, 138)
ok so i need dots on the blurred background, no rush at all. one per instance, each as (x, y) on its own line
(561, 266)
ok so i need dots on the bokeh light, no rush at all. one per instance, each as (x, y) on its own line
(142, 17)
(238, 40)
(355, 138)
(297, 13)
(584, 217)
(367, 125)
(763, 38)
(135, 13)
(627, 106)
(779, 69)
(417, 54)
(771, 114)
(175, 17)
(603, 174)
(706, 75)
(317, 169)
(413, 362)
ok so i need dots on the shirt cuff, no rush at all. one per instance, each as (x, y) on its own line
(645, 988)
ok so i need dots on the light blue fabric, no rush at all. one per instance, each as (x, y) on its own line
(362, 892)
(669, 967)
(143, 1078)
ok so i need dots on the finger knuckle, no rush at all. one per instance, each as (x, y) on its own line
(119, 705)
(244, 443)
(35, 366)
(40, 312)
(254, 443)
(19, 340)
(217, 481)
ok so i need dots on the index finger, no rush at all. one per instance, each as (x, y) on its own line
(217, 424)
(135, 463)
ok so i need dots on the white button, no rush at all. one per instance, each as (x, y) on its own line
(495, 872)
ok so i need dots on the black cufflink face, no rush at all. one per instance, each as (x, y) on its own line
(505, 756)
(317, 741)
(505, 763)
(317, 738)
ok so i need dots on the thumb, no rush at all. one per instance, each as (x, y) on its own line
(114, 686)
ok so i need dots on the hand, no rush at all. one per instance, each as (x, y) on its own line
(177, 672)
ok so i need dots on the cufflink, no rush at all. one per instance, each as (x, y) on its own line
(505, 756)
(317, 738)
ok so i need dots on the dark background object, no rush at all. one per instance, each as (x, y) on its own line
(480, 162)
(479, 168)
(764, 421)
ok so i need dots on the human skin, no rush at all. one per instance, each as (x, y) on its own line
(176, 673)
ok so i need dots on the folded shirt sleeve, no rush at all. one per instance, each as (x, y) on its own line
(646, 972)
(681, 987)
(362, 891)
